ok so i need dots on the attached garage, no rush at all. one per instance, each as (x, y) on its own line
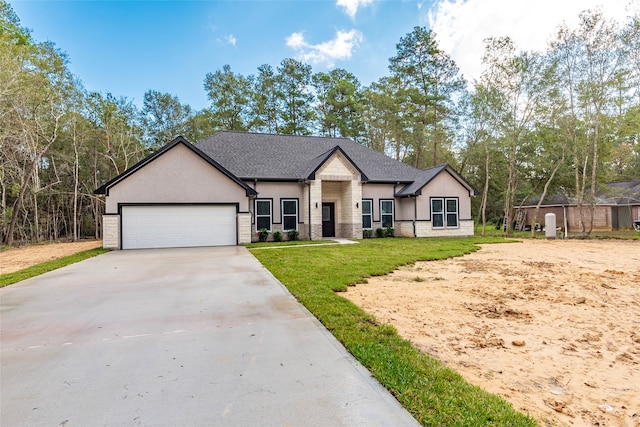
(178, 226)
(177, 197)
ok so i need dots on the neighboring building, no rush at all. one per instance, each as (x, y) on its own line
(617, 207)
(224, 189)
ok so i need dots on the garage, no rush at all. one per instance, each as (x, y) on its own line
(178, 226)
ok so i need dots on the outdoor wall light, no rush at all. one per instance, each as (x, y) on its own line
(316, 205)
(356, 205)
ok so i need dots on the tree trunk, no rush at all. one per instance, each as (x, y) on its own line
(29, 173)
(485, 190)
(74, 235)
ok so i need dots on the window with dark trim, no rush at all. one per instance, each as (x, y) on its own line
(386, 213)
(289, 211)
(444, 212)
(263, 214)
(367, 214)
(451, 210)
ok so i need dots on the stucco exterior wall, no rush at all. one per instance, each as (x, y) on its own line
(444, 185)
(177, 176)
(376, 192)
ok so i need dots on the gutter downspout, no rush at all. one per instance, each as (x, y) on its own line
(415, 215)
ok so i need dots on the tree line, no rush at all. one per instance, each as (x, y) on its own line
(566, 119)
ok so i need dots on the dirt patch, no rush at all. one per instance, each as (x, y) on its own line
(18, 258)
(551, 326)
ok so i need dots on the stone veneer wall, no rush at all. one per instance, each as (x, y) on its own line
(111, 231)
(315, 190)
(424, 229)
(244, 228)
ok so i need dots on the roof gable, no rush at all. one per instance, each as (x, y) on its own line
(338, 162)
(104, 189)
(427, 175)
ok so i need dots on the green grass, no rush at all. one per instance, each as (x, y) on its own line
(629, 234)
(258, 245)
(433, 393)
(36, 270)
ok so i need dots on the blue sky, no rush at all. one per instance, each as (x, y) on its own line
(129, 47)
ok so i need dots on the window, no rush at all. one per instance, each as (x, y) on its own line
(367, 214)
(437, 213)
(452, 212)
(263, 214)
(289, 215)
(444, 213)
(386, 213)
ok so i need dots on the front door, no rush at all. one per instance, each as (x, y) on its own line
(328, 220)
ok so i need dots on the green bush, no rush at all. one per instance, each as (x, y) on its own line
(293, 234)
(277, 236)
(380, 232)
(367, 234)
(389, 232)
(263, 234)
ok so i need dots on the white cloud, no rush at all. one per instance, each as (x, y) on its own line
(326, 53)
(231, 40)
(461, 26)
(351, 6)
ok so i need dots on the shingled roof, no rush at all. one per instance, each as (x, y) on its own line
(292, 158)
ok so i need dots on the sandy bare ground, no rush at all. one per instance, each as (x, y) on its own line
(551, 326)
(16, 259)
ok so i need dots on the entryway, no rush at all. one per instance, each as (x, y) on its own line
(328, 219)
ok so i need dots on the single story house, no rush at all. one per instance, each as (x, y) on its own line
(617, 207)
(227, 187)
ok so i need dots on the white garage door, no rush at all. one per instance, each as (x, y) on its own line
(178, 226)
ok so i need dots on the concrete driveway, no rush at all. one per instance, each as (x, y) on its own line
(176, 337)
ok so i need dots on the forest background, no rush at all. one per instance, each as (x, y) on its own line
(565, 120)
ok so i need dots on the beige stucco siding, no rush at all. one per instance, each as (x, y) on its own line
(377, 192)
(177, 176)
(277, 191)
(444, 185)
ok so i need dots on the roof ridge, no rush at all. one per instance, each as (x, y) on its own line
(243, 132)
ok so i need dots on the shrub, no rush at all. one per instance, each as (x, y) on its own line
(367, 234)
(293, 234)
(277, 236)
(380, 232)
(263, 234)
(389, 232)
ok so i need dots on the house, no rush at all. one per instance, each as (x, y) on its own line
(617, 207)
(227, 187)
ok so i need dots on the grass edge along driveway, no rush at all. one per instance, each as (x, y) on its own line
(38, 269)
(431, 392)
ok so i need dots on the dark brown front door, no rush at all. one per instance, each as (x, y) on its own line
(328, 220)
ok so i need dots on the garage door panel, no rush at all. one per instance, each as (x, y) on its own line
(178, 226)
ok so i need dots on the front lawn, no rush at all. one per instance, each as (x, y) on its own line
(433, 393)
(271, 244)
